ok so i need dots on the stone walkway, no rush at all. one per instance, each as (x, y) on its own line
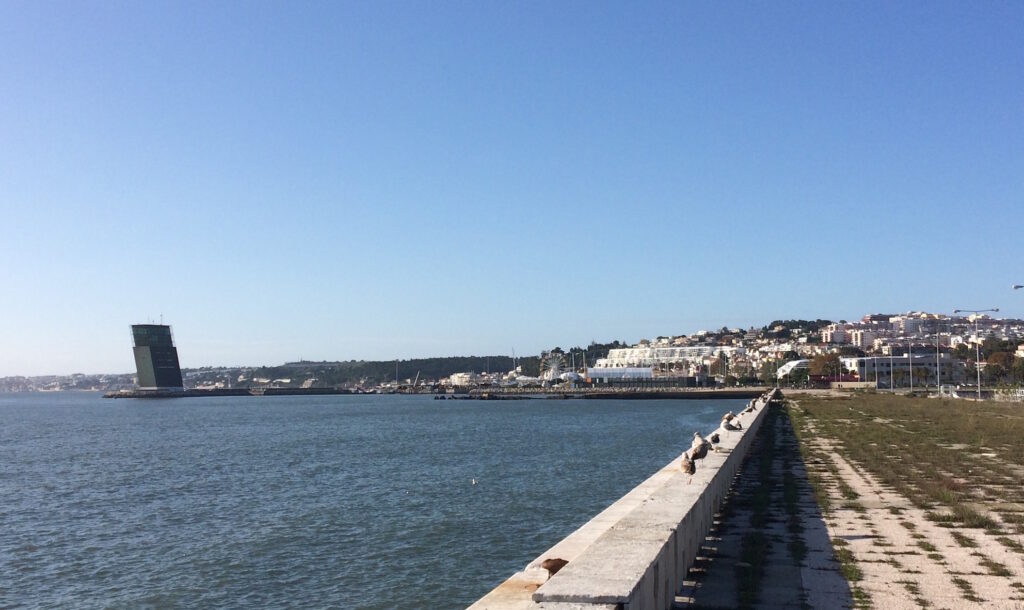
(770, 546)
(907, 561)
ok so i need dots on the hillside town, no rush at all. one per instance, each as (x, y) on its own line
(881, 350)
(913, 349)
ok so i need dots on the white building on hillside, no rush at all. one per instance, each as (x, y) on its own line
(895, 370)
(834, 333)
(862, 338)
(630, 357)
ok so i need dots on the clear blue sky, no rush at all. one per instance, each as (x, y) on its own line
(374, 180)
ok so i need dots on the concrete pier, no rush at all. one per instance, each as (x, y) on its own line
(635, 554)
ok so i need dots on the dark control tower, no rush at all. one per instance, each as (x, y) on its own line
(156, 358)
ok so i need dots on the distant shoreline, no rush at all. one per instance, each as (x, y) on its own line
(500, 394)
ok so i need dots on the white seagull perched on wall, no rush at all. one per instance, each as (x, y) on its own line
(699, 448)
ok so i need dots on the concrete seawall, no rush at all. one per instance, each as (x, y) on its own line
(635, 554)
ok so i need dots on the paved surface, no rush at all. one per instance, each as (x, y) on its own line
(910, 562)
(770, 547)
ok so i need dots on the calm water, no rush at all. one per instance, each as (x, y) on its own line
(333, 501)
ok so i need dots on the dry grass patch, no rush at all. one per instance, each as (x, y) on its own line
(915, 590)
(966, 589)
(949, 463)
(994, 567)
(1011, 544)
(959, 454)
(964, 541)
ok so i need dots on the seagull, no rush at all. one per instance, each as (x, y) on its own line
(699, 448)
(715, 438)
(687, 464)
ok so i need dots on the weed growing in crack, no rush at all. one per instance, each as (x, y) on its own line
(964, 541)
(1011, 544)
(966, 590)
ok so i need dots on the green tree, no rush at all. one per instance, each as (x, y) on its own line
(825, 364)
(900, 377)
(1018, 370)
(768, 370)
(1003, 359)
(923, 375)
(993, 373)
(992, 345)
(796, 378)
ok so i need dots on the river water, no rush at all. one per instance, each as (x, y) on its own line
(326, 502)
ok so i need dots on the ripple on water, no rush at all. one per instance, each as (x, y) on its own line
(343, 501)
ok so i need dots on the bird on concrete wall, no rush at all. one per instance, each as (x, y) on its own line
(699, 448)
(687, 465)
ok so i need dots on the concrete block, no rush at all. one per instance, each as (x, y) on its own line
(607, 572)
(513, 594)
(574, 606)
(635, 552)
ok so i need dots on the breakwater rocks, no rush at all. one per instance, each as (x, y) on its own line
(635, 554)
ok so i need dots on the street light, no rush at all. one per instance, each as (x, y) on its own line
(1018, 286)
(977, 342)
(910, 363)
(890, 371)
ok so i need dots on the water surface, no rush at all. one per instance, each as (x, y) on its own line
(326, 501)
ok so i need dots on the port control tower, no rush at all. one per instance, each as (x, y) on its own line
(156, 358)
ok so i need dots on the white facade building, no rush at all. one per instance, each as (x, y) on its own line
(895, 370)
(834, 335)
(619, 373)
(631, 357)
(462, 379)
(862, 338)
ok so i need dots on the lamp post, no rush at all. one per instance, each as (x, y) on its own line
(890, 370)
(977, 339)
(910, 364)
